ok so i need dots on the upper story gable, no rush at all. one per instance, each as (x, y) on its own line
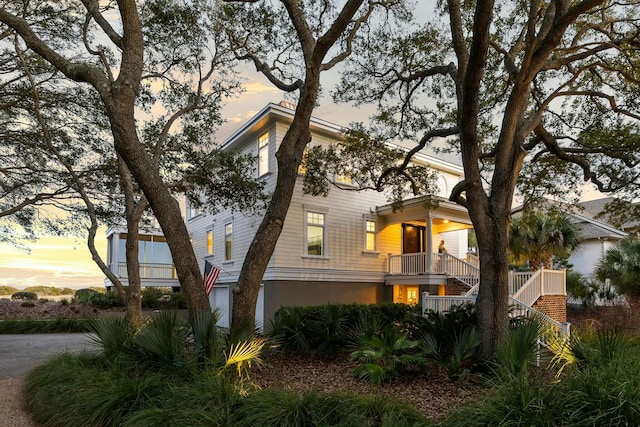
(262, 134)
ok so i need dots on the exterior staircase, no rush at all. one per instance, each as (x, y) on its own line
(525, 289)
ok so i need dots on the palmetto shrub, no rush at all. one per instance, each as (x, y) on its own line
(385, 355)
(599, 384)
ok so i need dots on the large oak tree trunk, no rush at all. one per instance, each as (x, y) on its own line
(289, 157)
(493, 293)
(165, 208)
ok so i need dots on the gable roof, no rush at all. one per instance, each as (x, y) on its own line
(285, 112)
(595, 208)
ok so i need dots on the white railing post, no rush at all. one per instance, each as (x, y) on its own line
(565, 329)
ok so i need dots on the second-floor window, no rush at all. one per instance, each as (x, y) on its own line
(209, 242)
(228, 241)
(370, 236)
(315, 235)
(263, 154)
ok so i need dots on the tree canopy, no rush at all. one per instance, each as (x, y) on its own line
(534, 96)
(159, 72)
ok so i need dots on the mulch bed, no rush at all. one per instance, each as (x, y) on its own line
(430, 391)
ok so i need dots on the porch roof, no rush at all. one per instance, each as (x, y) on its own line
(418, 206)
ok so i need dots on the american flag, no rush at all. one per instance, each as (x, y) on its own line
(210, 275)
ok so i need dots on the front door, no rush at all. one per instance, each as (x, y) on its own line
(412, 238)
(413, 243)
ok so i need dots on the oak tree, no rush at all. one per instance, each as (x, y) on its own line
(536, 95)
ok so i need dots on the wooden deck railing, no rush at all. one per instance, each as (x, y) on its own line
(537, 284)
(150, 271)
(423, 262)
(541, 282)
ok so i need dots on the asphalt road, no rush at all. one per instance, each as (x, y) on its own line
(20, 353)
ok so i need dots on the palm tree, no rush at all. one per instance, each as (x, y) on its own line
(540, 236)
(621, 267)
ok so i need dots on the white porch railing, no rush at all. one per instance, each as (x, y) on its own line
(418, 263)
(523, 293)
(541, 282)
(440, 304)
(409, 263)
(473, 259)
(150, 271)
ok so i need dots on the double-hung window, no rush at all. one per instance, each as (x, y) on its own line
(370, 236)
(209, 242)
(263, 154)
(315, 235)
(228, 241)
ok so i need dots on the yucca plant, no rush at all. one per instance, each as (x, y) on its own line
(331, 329)
(161, 343)
(454, 352)
(290, 329)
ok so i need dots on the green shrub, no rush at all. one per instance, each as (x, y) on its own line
(67, 291)
(104, 301)
(327, 329)
(177, 301)
(279, 407)
(24, 296)
(83, 295)
(385, 355)
(152, 298)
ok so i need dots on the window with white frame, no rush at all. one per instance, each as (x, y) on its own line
(209, 242)
(443, 186)
(263, 154)
(192, 211)
(228, 241)
(315, 234)
(370, 236)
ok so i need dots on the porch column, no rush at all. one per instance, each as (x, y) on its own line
(429, 248)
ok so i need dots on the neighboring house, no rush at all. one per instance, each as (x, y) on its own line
(348, 247)
(156, 264)
(596, 237)
(595, 209)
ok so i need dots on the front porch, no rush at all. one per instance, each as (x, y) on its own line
(424, 268)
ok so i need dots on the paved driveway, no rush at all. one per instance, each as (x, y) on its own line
(20, 353)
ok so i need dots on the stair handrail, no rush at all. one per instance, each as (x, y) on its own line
(549, 324)
(531, 290)
(458, 269)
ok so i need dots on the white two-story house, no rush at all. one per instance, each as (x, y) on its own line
(349, 247)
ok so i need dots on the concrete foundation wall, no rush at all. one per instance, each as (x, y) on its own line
(293, 293)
